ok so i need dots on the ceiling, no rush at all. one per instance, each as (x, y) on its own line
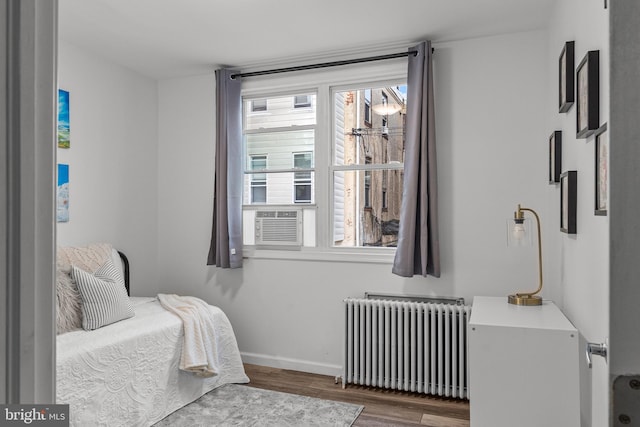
(171, 38)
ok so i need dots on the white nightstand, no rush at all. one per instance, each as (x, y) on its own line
(523, 365)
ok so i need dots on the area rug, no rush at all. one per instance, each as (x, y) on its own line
(241, 405)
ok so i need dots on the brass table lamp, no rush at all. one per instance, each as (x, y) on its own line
(518, 234)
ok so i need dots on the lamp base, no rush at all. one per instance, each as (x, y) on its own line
(523, 299)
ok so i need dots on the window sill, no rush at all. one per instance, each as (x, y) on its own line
(355, 255)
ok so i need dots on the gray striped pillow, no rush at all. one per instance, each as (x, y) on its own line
(104, 297)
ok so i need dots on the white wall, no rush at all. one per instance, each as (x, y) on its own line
(585, 256)
(492, 153)
(112, 160)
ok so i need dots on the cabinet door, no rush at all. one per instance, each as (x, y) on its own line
(523, 377)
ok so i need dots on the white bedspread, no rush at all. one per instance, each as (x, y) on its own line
(126, 374)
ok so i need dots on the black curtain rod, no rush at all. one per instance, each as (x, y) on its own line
(326, 64)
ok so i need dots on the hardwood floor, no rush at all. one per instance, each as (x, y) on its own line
(382, 407)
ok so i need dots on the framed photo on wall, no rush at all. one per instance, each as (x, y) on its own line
(62, 205)
(568, 201)
(588, 95)
(601, 171)
(566, 64)
(555, 157)
(63, 119)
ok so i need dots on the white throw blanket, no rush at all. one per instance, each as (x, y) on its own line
(199, 346)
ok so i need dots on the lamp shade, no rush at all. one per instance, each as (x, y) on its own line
(519, 233)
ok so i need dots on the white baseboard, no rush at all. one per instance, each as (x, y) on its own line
(292, 364)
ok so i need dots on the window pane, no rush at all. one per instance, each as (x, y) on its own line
(281, 112)
(367, 106)
(366, 213)
(258, 162)
(302, 101)
(358, 136)
(303, 193)
(280, 145)
(303, 160)
(259, 105)
(258, 193)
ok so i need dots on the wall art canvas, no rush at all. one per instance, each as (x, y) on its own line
(588, 89)
(62, 210)
(602, 171)
(64, 140)
(565, 77)
(555, 157)
(568, 201)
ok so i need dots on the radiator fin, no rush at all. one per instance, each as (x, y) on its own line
(410, 346)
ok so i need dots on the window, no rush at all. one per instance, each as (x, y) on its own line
(288, 138)
(258, 180)
(367, 185)
(367, 169)
(385, 115)
(259, 105)
(367, 106)
(324, 152)
(302, 180)
(301, 101)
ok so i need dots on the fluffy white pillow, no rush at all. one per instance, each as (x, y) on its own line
(69, 304)
(104, 297)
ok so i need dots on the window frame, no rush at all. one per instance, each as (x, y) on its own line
(324, 83)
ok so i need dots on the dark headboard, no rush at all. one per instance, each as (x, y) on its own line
(125, 267)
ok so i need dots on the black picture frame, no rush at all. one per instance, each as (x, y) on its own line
(566, 81)
(568, 201)
(601, 184)
(588, 94)
(555, 157)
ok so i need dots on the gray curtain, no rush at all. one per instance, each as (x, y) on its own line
(225, 249)
(418, 249)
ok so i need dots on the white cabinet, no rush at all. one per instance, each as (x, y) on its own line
(523, 365)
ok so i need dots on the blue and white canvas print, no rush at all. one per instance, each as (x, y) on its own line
(62, 211)
(64, 131)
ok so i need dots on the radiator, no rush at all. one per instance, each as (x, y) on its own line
(411, 346)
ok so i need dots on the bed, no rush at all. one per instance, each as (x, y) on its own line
(127, 373)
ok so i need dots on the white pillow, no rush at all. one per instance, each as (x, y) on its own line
(104, 297)
(68, 303)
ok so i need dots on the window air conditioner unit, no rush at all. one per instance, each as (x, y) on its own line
(278, 227)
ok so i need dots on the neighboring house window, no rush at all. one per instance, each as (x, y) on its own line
(367, 184)
(258, 180)
(258, 105)
(301, 101)
(367, 107)
(385, 117)
(302, 180)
